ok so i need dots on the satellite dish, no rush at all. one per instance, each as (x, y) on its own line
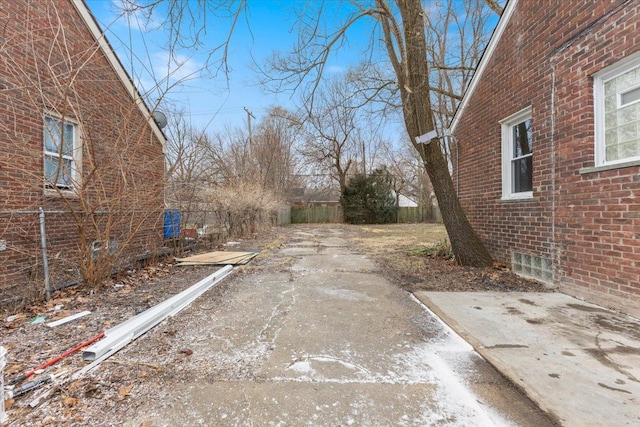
(160, 119)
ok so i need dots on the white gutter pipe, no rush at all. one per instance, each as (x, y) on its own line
(127, 331)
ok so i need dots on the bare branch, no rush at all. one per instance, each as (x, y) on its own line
(494, 6)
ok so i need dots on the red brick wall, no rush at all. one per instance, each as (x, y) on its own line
(50, 62)
(588, 223)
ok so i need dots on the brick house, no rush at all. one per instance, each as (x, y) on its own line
(549, 146)
(78, 145)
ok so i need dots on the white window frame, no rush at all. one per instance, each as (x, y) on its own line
(507, 155)
(76, 157)
(599, 80)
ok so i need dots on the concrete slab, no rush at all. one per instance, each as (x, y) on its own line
(329, 261)
(578, 361)
(296, 404)
(302, 251)
(324, 341)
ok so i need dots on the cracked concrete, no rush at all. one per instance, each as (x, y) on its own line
(578, 361)
(326, 341)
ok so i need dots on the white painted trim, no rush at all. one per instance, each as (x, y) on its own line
(486, 57)
(111, 56)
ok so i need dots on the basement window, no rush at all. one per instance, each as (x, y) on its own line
(533, 266)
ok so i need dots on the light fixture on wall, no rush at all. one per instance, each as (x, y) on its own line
(426, 138)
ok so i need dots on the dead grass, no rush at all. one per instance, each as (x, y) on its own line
(85, 401)
(403, 254)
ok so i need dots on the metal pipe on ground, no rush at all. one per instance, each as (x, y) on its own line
(50, 362)
(127, 331)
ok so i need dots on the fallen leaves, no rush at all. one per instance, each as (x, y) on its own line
(124, 392)
(8, 404)
(70, 401)
(83, 401)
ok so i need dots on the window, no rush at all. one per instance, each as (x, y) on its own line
(60, 152)
(517, 156)
(533, 266)
(617, 112)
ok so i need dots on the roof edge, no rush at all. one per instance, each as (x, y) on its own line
(112, 58)
(486, 56)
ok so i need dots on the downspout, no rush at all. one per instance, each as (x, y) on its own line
(555, 254)
(45, 263)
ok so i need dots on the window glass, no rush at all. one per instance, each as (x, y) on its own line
(51, 135)
(522, 165)
(522, 175)
(522, 139)
(622, 116)
(59, 140)
(630, 97)
(57, 171)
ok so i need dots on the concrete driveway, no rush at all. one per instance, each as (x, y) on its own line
(316, 336)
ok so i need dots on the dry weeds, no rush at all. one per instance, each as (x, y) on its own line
(113, 393)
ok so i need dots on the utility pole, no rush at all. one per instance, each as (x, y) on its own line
(249, 116)
(364, 160)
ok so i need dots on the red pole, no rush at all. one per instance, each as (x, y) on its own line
(56, 359)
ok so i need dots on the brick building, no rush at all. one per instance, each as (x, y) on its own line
(549, 146)
(79, 148)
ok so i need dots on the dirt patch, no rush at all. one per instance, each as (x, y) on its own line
(395, 248)
(112, 394)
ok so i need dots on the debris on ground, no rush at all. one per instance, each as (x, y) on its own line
(122, 381)
(218, 258)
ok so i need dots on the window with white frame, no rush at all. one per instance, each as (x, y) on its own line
(517, 156)
(61, 151)
(617, 112)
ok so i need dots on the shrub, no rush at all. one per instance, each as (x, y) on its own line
(369, 199)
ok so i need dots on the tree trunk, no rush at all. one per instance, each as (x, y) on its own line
(414, 89)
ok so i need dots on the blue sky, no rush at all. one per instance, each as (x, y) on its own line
(267, 26)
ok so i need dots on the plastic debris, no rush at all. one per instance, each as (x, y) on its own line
(38, 320)
(68, 319)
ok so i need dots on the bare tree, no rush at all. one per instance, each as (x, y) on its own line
(400, 28)
(184, 24)
(330, 130)
(411, 178)
(341, 138)
(273, 151)
(452, 56)
(189, 168)
(402, 31)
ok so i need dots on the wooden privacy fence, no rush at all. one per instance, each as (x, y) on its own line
(283, 216)
(419, 214)
(316, 214)
(320, 214)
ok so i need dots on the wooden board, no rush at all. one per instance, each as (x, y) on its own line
(218, 258)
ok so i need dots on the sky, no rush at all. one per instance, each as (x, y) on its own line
(213, 101)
